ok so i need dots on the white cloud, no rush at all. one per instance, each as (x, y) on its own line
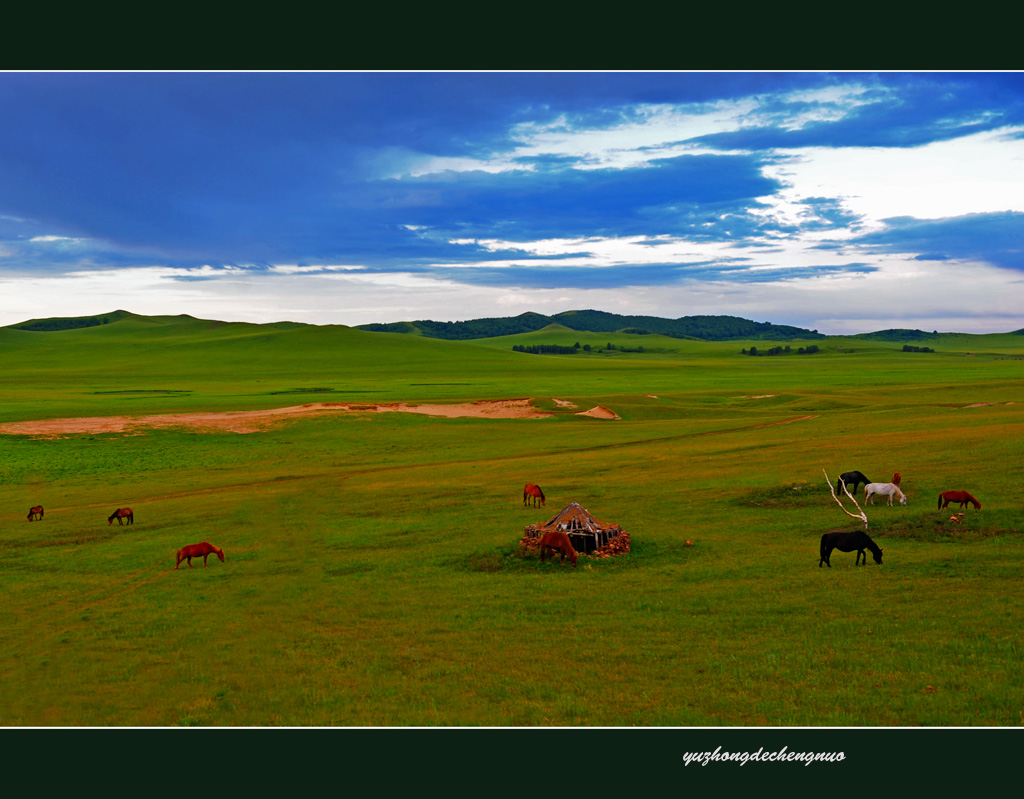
(980, 173)
(295, 269)
(902, 293)
(653, 131)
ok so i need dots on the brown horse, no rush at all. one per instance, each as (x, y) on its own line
(530, 490)
(896, 479)
(552, 542)
(35, 513)
(963, 497)
(195, 550)
(121, 513)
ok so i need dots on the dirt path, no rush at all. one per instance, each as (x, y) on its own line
(283, 481)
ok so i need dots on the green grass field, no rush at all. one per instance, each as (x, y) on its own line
(373, 577)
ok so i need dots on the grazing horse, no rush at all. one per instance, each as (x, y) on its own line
(530, 490)
(195, 550)
(851, 479)
(847, 542)
(896, 479)
(884, 490)
(121, 513)
(963, 497)
(35, 513)
(552, 542)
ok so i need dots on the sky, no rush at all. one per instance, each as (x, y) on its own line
(844, 202)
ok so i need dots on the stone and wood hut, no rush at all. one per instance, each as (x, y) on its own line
(587, 533)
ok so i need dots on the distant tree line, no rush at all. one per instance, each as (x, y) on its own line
(912, 348)
(64, 324)
(546, 349)
(810, 349)
(558, 349)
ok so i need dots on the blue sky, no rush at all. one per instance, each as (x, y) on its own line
(845, 202)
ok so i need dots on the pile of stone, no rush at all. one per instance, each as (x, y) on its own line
(617, 546)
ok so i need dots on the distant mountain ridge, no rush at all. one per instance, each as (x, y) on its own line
(707, 328)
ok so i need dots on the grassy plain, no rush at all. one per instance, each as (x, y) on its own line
(372, 575)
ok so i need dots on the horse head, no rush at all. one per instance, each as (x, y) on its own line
(877, 556)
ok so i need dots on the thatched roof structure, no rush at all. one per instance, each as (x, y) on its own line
(586, 532)
(570, 518)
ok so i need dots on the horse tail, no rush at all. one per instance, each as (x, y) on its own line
(940, 502)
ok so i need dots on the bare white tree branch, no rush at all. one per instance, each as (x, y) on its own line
(862, 515)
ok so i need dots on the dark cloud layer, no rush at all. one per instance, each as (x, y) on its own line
(997, 239)
(239, 168)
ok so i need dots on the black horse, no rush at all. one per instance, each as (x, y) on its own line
(847, 542)
(853, 479)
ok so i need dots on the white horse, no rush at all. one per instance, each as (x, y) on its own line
(889, 490)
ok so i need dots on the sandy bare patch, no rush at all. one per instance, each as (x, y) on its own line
(599, 412)
(565, 404)
(986, 404)
(760, 396)
(252, 421)
(488, 409)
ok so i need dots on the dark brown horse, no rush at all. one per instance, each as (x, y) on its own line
(35, 513)
(121, 513)
(530, 490)
(195, 550)
(963, 497)
(847, 542)
(552, 542)
(852, 480)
